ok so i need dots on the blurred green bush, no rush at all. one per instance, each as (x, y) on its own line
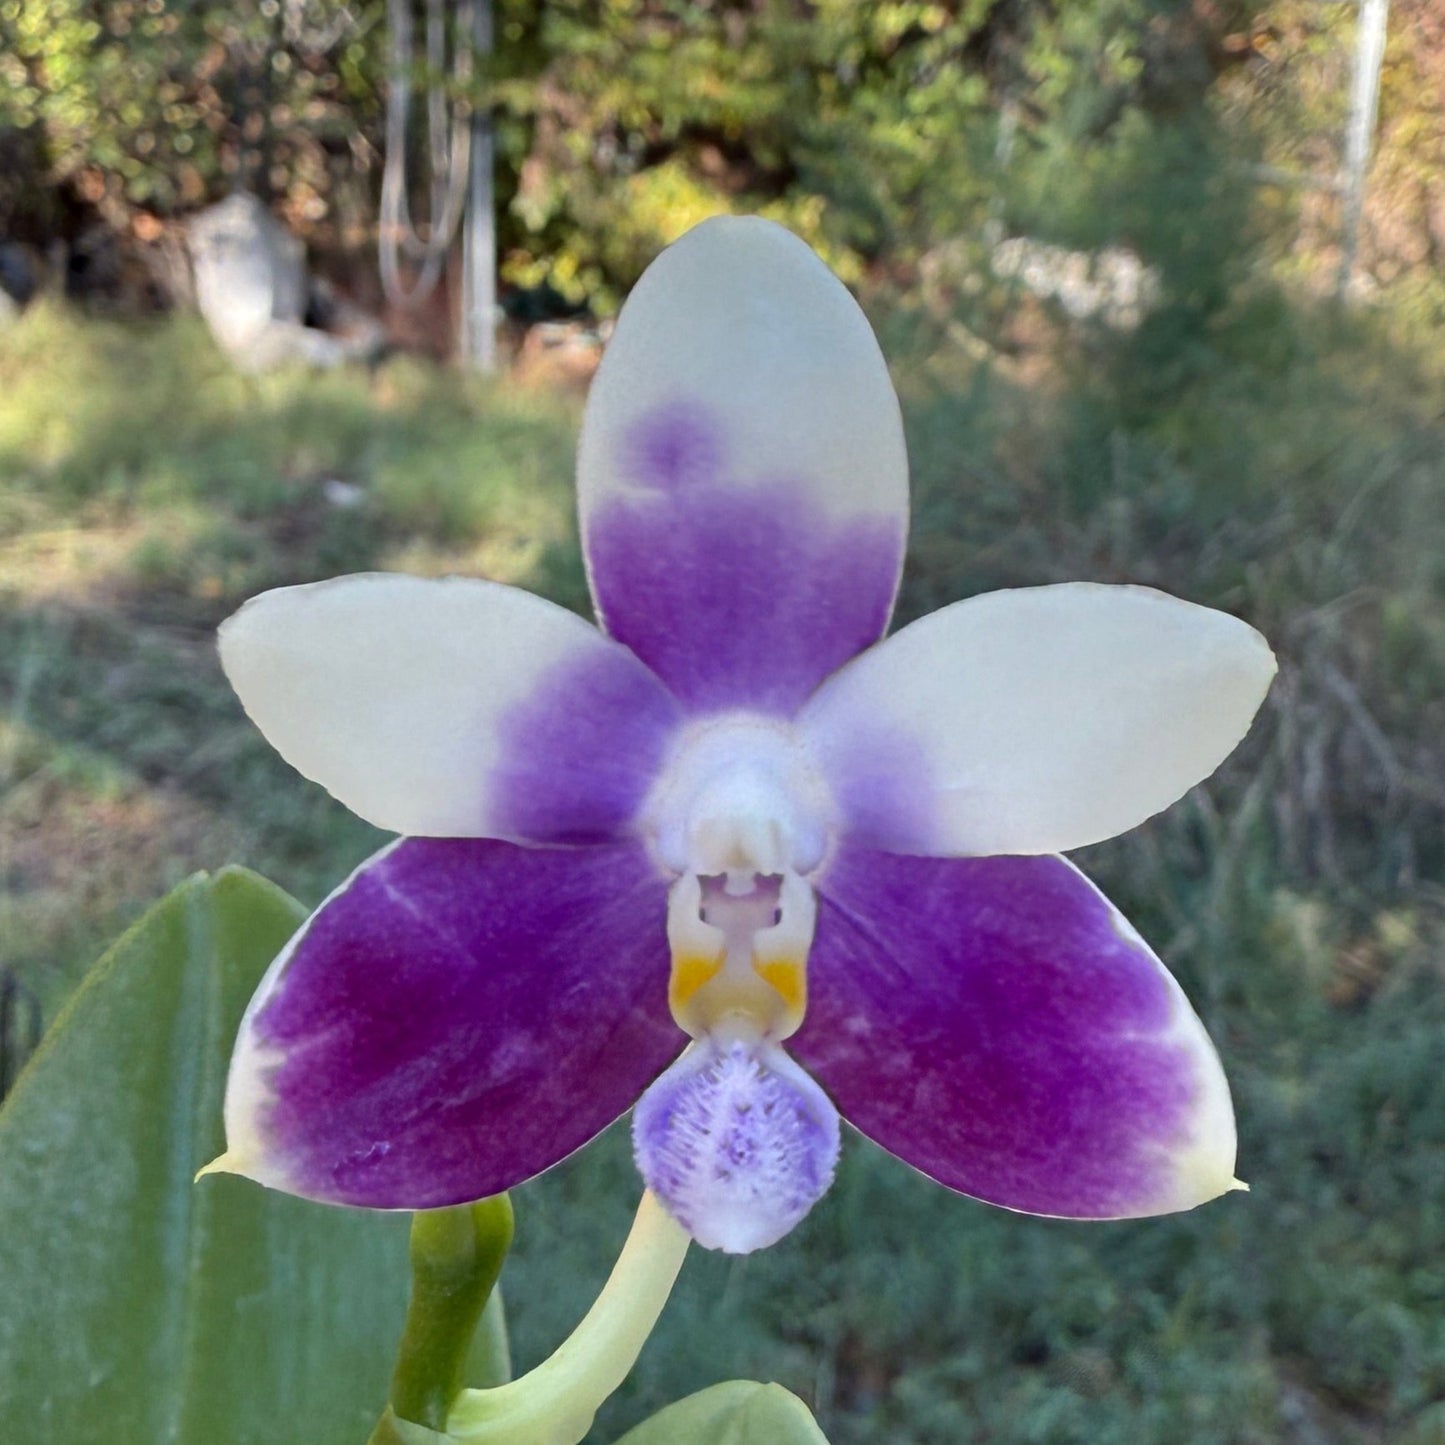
(878, 130)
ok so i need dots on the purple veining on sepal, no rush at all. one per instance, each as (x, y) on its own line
(737, 1142)
(459, 1017)
(578, 755)
(676, 446)
(741, 596)
(986, 1020)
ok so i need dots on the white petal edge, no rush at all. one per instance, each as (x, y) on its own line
(741, 319)
(248, 1088)
(387, 689)
(1200, 1165)
(1039, 719)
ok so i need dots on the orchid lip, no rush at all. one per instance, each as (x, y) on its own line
(737, 1142)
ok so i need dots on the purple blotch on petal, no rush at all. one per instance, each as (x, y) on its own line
(743, 597)
(882, 782)
(461, 1016)
(674, 446)
(985, 1020)
(578, 754)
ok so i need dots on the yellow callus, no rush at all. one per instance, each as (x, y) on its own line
(788, 978)
(690, 972)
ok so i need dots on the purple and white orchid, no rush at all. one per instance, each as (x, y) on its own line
(731, 858)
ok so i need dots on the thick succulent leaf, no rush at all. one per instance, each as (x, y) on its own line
(741, 475)
(136, 1305)
(738, 1412)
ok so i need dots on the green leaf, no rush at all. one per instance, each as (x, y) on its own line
(136, 1305)
(738, 1412)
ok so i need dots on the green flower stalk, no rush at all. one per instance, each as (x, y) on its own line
(555, 1403)
(456, 1256)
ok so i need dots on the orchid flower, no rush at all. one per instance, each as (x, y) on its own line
(731, 857)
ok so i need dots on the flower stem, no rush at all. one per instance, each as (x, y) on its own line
(456, 1256)
(555, 1403)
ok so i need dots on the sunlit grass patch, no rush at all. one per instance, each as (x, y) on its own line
(84, 838)
(235, 483)
(126, 765)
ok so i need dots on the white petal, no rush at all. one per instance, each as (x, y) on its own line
(741, 474)
(741, 319)
(450, 708)
(1035, 720)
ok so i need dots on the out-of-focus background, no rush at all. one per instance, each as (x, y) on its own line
(1160, 283)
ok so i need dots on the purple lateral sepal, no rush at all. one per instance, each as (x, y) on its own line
(738, 593)
(577, 756)
(460, 1016)
(993, 1023)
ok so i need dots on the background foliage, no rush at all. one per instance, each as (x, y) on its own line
(878, 130)
(1247, 444)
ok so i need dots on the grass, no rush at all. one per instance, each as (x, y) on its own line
(1290, 472)
(145, 489)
